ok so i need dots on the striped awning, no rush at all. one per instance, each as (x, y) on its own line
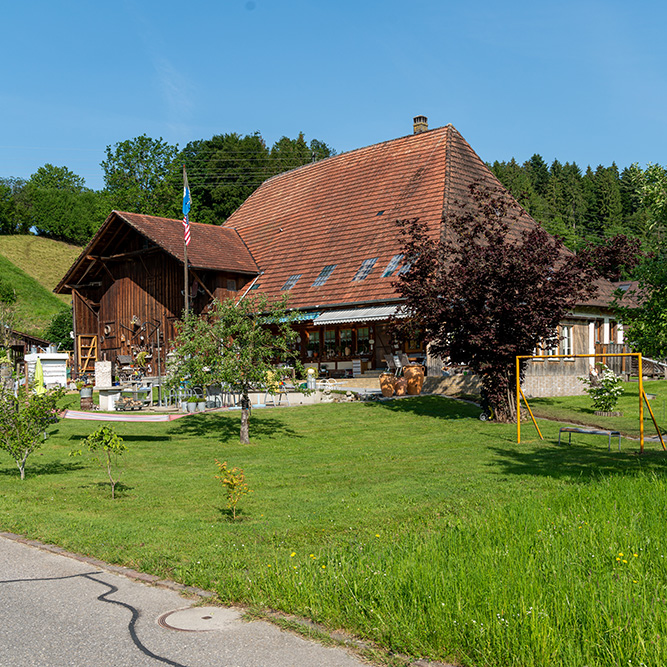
(356, 315)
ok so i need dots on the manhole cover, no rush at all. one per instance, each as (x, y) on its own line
(199, 619)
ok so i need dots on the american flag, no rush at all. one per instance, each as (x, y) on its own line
(187, 202)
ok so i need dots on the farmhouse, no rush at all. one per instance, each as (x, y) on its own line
(324, 234)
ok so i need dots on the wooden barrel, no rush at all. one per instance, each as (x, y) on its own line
(415, 378)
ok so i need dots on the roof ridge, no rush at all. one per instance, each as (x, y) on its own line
(446, 194)
(354, 150)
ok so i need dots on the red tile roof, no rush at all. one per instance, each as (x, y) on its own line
(340, 211)
(343, 210)
(211, 247)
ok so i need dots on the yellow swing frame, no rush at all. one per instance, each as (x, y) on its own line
(642, 395)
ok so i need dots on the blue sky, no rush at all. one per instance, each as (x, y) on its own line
(583, 81)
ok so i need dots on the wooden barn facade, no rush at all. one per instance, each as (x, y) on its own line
(127, 285)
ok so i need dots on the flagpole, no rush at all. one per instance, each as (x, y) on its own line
(187, 202)
(185, 277)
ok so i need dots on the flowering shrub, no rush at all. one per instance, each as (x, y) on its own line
(605, 389)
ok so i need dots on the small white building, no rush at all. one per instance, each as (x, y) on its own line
(54, 365)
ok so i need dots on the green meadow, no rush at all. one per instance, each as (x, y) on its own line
(408, 523)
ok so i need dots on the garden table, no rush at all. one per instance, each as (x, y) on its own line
(589, 431)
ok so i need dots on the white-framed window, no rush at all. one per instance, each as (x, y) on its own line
(550, 351)
(566, 341)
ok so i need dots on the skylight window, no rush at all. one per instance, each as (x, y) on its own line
(392, 266)
(365, 268)
(404, 269)
(324, 274)
(290, 282)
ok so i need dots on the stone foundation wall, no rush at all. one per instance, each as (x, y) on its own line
(452, 385)
(533, 386)
(552, 385)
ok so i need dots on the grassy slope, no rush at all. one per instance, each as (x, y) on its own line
(409, 522)
(34, 266)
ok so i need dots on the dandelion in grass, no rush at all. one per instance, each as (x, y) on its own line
(292, 554)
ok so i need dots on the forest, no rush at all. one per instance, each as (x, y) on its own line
(586, 206)
(144, 175)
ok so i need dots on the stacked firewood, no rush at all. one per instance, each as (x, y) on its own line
(128, 403)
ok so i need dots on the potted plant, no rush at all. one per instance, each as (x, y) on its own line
(85, 391)
(141, 359)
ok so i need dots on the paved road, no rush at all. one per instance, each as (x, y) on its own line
(56, 611)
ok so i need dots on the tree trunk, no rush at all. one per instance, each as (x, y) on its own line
(21, 466)
(245, 418)
(505, 411)
(113, 484)
(6, 377)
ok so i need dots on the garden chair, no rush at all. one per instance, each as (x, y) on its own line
(275, 387)
(390, 360)
(403, 358)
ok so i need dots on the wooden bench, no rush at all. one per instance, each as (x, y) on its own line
(589, 431)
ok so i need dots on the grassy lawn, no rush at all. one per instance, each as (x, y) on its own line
(410, 523)
(578, 409)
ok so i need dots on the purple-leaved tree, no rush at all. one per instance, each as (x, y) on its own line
(490, 288)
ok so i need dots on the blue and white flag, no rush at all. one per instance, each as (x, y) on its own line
(187, 202)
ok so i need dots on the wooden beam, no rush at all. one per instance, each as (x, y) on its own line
(90, 266)
(95, 283)
(127, 255)
(141, 259)
(106, 268)
(201, 282)
(87, 302)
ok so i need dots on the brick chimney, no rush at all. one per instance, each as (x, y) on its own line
(419, 124)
